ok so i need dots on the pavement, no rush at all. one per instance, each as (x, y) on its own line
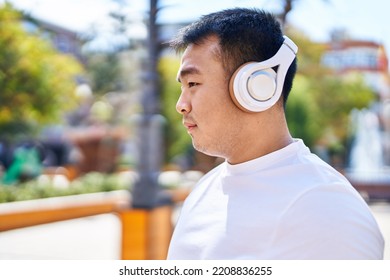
(99, 238)
(381, 211)
(90, 238)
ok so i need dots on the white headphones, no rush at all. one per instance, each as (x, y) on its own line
(255, 86)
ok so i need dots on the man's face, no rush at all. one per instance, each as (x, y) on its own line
(208, 112)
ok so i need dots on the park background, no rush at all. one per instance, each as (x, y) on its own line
(88, 92)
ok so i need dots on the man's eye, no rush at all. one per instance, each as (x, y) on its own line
(192, 84)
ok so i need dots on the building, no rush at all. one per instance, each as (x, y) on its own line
(345, 56)
(63, 39)
(369, 58)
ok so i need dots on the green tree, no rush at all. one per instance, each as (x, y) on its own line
(104, 71)
(177, 140)
(320, 102)
(37, 83)
(302, 111)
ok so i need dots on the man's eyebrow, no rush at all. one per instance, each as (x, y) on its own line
(187, 71)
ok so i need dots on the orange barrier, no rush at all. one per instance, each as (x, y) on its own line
(15, 215)
(146, 233)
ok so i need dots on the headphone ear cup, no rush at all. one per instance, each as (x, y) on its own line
(255, 86)
(261, 84)
(251, 88)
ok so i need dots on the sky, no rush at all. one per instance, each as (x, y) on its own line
(362, 19)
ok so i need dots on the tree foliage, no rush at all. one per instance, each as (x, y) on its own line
(104, 71)
(177, 138)
(320, 102)
(36, 82)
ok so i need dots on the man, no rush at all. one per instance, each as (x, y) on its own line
(271, 198)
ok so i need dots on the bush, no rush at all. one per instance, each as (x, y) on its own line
(45, 186)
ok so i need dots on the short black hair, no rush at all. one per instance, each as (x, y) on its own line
(244, 35)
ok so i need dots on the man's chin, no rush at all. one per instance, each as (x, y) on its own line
(204, 149)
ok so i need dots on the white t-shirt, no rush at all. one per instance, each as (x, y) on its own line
(286, 205)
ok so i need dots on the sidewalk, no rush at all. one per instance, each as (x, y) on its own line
(90, 238)
(381, 211)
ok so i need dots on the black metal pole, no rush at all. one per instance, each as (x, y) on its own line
(149, 126)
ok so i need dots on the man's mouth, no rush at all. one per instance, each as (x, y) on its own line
(190, 126)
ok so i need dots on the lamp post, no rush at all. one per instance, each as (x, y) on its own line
(149, 126)
(146, 225)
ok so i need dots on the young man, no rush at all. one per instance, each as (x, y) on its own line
(271, 198)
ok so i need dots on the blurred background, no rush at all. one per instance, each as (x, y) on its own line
(88, 125)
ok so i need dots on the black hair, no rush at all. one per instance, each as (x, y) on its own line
(244, 35)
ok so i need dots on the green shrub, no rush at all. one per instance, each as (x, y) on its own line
(44, 187)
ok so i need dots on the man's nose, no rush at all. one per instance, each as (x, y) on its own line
(183, 105)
